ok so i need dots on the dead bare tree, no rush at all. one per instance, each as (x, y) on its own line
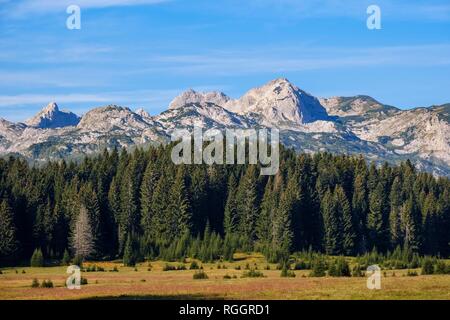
(82, 240)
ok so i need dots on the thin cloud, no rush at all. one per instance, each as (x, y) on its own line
(293, 60)
(25, 7)
(119, 97)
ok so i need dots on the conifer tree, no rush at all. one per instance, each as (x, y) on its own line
(8, 242)
(348, 229)
(375, 220)
(411, 225)
(332, 224)
(179, 209)
(247, 206)
(394, 215)
(359, 209)
(230, 222)
(264, 225)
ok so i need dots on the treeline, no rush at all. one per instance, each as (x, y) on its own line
(140, 205)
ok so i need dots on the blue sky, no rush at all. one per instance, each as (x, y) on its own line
(142, 53)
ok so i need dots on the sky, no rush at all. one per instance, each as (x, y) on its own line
(142, 53)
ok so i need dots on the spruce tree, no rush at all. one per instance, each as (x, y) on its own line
(360, 208)
(332, 224)
(179, 209)
(264, 225)
(394, 215)
(376, 226)
(348, 229)
(248, 206)
(8, 242)
(230, 222)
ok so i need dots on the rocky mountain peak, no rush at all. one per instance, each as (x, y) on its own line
(51, 117)
(279, 101)
(192, 96)
(142, 113)
(108, 118)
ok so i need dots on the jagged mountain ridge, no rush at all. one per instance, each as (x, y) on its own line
(352, 125)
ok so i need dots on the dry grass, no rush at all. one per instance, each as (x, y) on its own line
(158, 284)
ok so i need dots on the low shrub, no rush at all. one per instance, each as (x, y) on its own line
(200, 275)
(168, 267)
(252, 273)
(441, 268)
(412, 273)
(427, 266)
(287, 273)
(35, 283)
(47, 284)
(114, 269)
(357, 272)
(318, 268)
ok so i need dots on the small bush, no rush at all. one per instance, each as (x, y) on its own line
(441, 268)
(318, 268)
(339, 268)
(194, 266)
(300, 265)
(200, 275)
(37, 259)
(23, 272)
(237, 267)
(83, 281)
(35, 283)
(286, 273)
(114, 269)
(357, 272)
(1, 272)
(227, 277)
(427, 266)
(168, 267)
(181, 267)
(66, 258)
(252, 273)
(411, 273)
(47, 284)
(267, 267)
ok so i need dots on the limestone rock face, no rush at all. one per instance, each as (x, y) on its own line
(349, 125)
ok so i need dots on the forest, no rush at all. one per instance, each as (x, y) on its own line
(138, 205)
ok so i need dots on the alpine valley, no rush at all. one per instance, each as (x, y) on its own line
(339, 125)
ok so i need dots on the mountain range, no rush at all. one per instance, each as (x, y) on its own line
(348, 125)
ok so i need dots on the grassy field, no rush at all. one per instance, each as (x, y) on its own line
(128, 283)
